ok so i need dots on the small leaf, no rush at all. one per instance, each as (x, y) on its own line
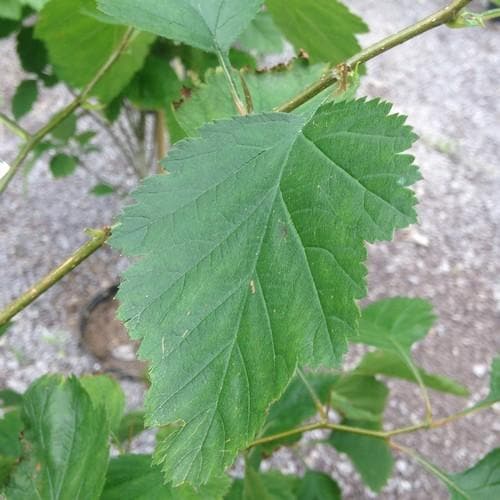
(79, 44)
(155, 85)
(102, 190)
(32, 53)
(9, 398)
(8, 26)
(269, 486)
(481, 482)
(131, 425)
(85, 137)
(133, 476)
(211, 25)
(390, 364)
(262, 36)
(395, 324)
(331, 27)
(318, 486)
(62, 165)
(66, 129)
(24, 98)
(68, 442)
(251, 209)
(106, 392)
(371, 456)
(211, 101)
(4, 328)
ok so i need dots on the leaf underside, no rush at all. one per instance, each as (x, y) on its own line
(251, 258)
(211, 25)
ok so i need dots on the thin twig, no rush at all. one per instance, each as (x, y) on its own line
(97, 238)
(14, 127)
(227, 70)
(36, 138)
(160, 140)
(442, 16)
(314, 395)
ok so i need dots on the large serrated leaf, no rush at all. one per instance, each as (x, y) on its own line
(79, 44)
(67, 439)
(325, 29)
(211, 25)
(251, 258)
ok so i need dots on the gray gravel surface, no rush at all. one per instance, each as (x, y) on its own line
(448, 82)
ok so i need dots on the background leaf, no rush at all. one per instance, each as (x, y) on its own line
(481, 482)
(210, 25)
(62, 165)
(133, 476)
(262, 36)
(79, 44)
(318, 486)
(211, 101)
(24, 98)
(66, 441)
(391, 365)
(252, 208)
(325, 29)
(32, 52)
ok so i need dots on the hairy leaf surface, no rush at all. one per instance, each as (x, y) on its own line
(251, 257)
(325, 29)
(79, 43)
(211, 25)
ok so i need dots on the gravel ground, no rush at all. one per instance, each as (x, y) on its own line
(448, 82)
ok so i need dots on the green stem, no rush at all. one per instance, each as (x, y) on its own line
(490, 14)
(14, 127)
(226, 68)
(430, 467)
(36, 138)
(98, 238)
(367, 432)
(314, 395)
(442, 16)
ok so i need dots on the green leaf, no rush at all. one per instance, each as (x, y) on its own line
(295, 406)
(10, 398)
(106, 392)
(66, 129)
(262, 36)
(32, 52)
(102, 189)
(133, 476)
(62, 165)
(255, 207)
(395, 324)
(359, 397)
(155, 85)
(325, 29)
(10, 9)
(481, 482)
(211, 25)
(371, 456)
(85, 137)
(8, 26)
(11, 426)
(24, 98)
(79, 45)
(318, 486)
(391, 365)
(67, 439)
(212, 101)
(131, 425)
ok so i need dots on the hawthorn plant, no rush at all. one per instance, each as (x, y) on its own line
(247, 248)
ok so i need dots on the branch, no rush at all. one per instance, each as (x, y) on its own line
(442, 16)
(14, 127)
(35, 139)
(368, 432)
(98, 238)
